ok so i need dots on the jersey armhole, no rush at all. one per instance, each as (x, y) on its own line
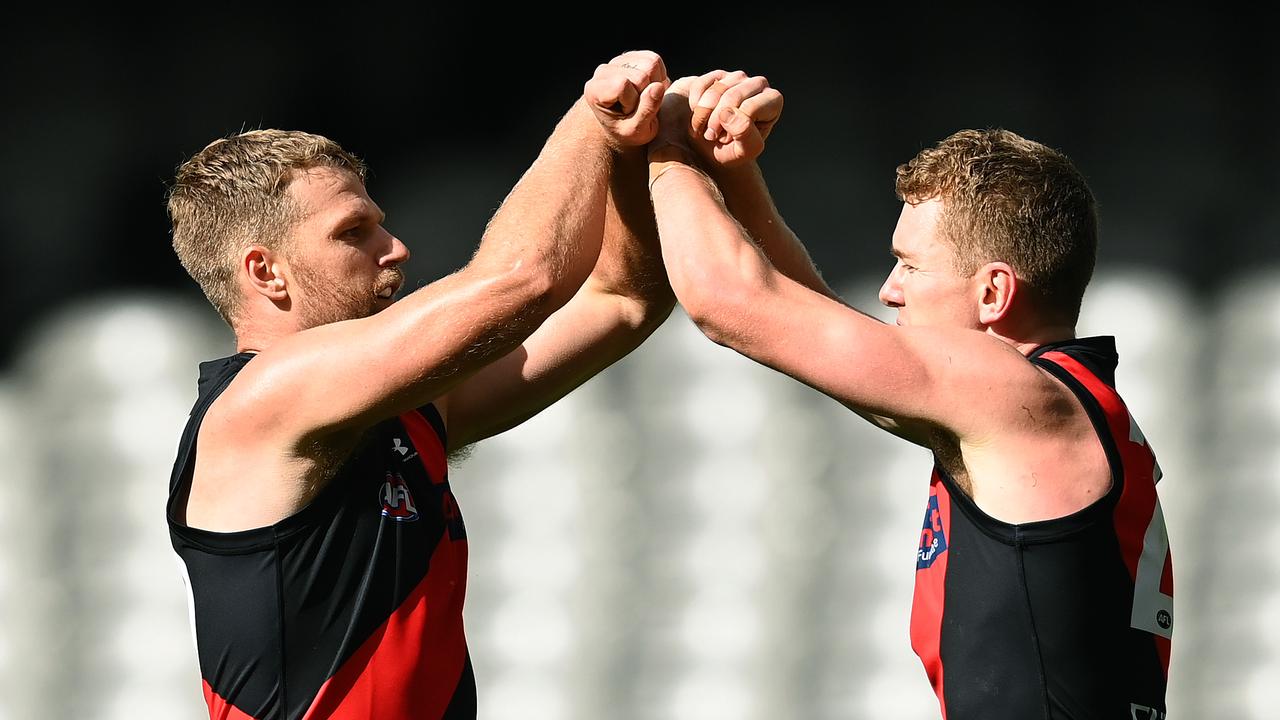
(184, 466)
(436, 420)
(1097, 417)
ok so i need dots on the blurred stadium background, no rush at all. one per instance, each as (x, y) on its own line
(689, 535)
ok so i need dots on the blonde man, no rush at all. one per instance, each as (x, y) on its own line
(310, 503)
(1043, 578)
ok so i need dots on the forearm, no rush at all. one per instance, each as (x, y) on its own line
(623, 301)
(747, 198)
(630, 264)
(534, 256)
(549, 227)
(717, 273)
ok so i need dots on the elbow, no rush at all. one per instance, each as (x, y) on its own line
(537, 285)
(540, 291)
(527, 292)
(721, 309)
(650, 308)
(548, 283)
(714, 325)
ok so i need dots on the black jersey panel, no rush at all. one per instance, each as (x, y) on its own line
(988, 642)
(280, 610)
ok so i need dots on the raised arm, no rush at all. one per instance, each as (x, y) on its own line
(302, 404)
(733, 115)
(535, 253)
(739, 299)
(626, 296)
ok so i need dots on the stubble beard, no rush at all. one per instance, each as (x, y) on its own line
(330, 300)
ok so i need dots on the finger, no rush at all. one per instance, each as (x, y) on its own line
(619, 97)
(764, 110)
(645, 61)
(711, 93)
(734, 153)
(733, 97)
(682, 85)
(647, 107)
(706, 107)
(710, 98)
(607, 91)
(699, 120)
(737, 124)
(659, 73)
(697, 87)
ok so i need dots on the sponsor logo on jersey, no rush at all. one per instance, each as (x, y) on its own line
(397, 501)
(933, 539)
(1142, 712)
(397, 445)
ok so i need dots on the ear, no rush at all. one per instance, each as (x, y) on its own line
(264, 269)
(998, 286)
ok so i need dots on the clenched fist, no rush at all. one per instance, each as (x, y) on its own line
(624, 94)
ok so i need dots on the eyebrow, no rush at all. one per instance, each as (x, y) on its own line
(361, 216)
(900, 254)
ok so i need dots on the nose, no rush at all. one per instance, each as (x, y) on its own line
(396, 254)
(891, 290)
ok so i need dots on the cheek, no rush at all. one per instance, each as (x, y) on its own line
(931, 297)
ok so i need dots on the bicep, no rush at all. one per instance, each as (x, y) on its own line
(344, 376)
(578, 341)
(904, 380)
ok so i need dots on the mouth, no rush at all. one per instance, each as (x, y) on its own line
(388, 284)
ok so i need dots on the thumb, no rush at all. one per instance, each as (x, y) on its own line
(650, 100)
(737, 123)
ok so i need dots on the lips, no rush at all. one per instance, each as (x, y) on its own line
(388, 282)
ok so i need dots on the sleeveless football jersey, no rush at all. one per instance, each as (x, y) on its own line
(351, 607)
(1069, 618)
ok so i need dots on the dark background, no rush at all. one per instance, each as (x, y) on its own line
(1170, 113)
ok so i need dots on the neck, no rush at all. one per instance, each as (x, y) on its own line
(1027, 342)
(256, 336)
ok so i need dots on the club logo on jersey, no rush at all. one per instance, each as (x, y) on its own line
(397, 501)
(933, 539)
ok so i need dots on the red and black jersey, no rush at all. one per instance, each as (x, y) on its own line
(351, 607)
(1063, 618)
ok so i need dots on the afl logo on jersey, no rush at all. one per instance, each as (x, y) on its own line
(397, 501)
(933, 539)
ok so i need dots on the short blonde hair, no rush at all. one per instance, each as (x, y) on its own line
(232, 194)
(1006, 198)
